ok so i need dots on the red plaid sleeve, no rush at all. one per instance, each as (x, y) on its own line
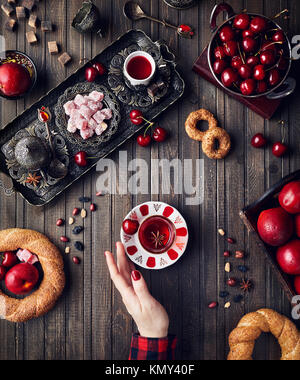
(152, 348)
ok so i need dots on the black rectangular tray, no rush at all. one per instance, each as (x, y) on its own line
(250, 216)
(126, 129)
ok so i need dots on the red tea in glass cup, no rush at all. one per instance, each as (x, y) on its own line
(139, 68)
(157, 234)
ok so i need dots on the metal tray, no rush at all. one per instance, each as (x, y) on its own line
(250, 216)
(125, 130)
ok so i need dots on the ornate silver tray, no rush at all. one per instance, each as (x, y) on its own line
(61, 119)
(124, 131)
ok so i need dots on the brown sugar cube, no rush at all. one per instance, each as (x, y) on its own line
(7, 9)
(33, 21)
(28, 4)
(11, 25)
(64, 59)
(21, 13)
(46, 26)
(31, 37)
(53, 47)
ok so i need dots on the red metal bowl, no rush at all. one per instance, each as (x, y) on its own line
(287, 83)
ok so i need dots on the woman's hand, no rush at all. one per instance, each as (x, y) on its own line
(151, 318)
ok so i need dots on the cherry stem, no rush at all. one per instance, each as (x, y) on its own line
(242, 57)
(149, 127)
(282, 124)
(266, 47)
(281, 13)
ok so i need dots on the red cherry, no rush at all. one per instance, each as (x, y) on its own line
(236, 62)
(91, 74)
(136, 117)
(2, 272)
(248, 33)
(248, 87)
(219, 66)
(267, 58)
(130, 227)
(252, 61)
(258, 24)
(261, 87)
(231, 48)
(229, 77)
(100, 68)
(269, 45)
(274, 77)
(159, 134)
(241, 21)
(9, 259)
(259, 72)
(278, 36)
(144, 141)
(249, 44)
(220, 52)
(245, 72)
(81, 159)
(226, 34)
(258, 141)
(282, 64)
(279, 149)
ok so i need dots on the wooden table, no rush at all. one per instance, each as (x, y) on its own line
(90, 321)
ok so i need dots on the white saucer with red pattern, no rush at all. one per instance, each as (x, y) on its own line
(138, 254)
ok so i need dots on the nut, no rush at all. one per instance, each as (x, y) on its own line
(76, 260)
(93, 207)
(231, 241)
(227, 305)
(228, 268)
(75, 211)
(231, 282)
(83, 213)
(67, 250)
(64, 239)
(71, 221)
(59, 222)
(221, 232)
(213, 305)
(226, 254)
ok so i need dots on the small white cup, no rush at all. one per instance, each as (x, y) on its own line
(138, 82)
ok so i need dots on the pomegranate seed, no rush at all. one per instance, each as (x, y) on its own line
(60, 222)
(64, 239)
(93, 207)
(230, 240)
(213, 305)
(76, 260)
(226, 254)
(231, 282)
(75, 211)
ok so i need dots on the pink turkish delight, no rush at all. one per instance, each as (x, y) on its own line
(86, 133)
(96, 96)
(69, 107)
(86, 112)
(80, 100)
(107, 113)
(99, 117)
(27, 257)
(72, 126)
(101, 128)
(95, 106)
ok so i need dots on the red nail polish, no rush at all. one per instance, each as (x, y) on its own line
(136, 275)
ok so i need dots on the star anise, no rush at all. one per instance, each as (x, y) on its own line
(158, 239)
(33, 179)
(246, 285)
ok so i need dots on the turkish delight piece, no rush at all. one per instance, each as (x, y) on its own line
(69, 107)
(86, 133)
(80, 100)
(72, 126)
(101, 128)
(27, 257)
(96, 96)
(99, 117)
(95, 106)
(93, 124)
(86, 112)
(107, 113)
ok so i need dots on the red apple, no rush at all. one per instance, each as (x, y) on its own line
(275, 226)
(289, 197)
(288, 257)
(297, 284)
(21, 279)
(14, 79)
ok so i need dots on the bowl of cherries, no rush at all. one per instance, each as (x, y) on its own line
(250, 55)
